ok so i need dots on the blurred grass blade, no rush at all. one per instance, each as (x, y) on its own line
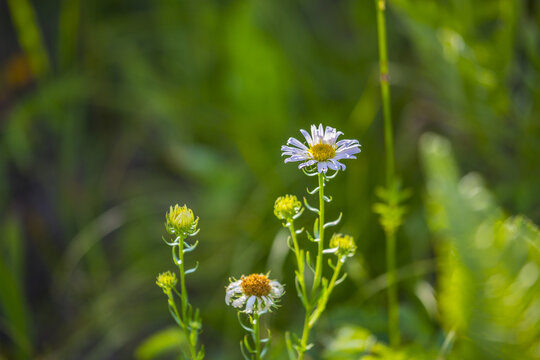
(13, 306)
(68, 32)
(29, 34)
(165, 342)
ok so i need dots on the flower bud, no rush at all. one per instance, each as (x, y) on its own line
(286, 207)
(344, 243)
(166, 281)
(181, 221)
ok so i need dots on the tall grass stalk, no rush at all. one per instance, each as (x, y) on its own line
(393, 315)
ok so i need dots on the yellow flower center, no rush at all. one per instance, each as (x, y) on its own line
(322, 152)
(255, 284)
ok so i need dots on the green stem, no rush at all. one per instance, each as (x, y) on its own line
(257, 336)
(305, 335)
(319, 263)
(173, 305)
(393, 311)
(324, 299)
(318, 271)
(192, 349)
(183, 291)
(385, 91)
(393, 315)
(299, 261)
(184, 300)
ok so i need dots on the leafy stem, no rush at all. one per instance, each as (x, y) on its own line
(188, 322)
(319, 261)
(256, 349)
(257, 336)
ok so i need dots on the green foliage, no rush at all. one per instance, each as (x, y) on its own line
(390, 209)
(15, 313)
(162, 343)
(489, 287)
(111, 110)
(352, 342)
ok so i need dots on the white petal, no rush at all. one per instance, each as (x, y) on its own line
(290, 148)
(354, 149)
(347, 142)
(322, 167)
(238, 303)
(337, 163)
(329, 135)
(306, 135)
(295, 142)
(332, 165)
(296, 158)
(231, 291)
(314, 135)
(276, 288)
(307, 163)
(249, 304)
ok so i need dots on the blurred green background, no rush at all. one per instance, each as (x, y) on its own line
(111, 110)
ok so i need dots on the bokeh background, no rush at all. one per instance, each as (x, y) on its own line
(112, 110)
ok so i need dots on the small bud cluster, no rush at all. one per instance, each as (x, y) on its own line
(166, 281)
(286, 207)
(344, 243)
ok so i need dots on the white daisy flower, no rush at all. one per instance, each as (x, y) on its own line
(257, 292)
(323, 149)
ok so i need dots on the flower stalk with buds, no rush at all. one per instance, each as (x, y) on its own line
(323, 152)
(181, 223)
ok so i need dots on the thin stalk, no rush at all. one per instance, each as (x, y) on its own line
(324, 300)
(385, 91)
(299, 261)
(183, 290)
(305, 334)
(257, 336)
(184, 299)
(173, 305)
(183, 326)
(318, 271)
(301, 281)
(319, 263)
(393, 315)
(337, 270)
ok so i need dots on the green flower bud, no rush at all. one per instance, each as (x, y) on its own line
(166, 281)
(286, 207)
(181, 221)
(344, 243)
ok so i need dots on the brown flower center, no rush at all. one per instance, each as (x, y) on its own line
(322, 152)
(255, 284)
